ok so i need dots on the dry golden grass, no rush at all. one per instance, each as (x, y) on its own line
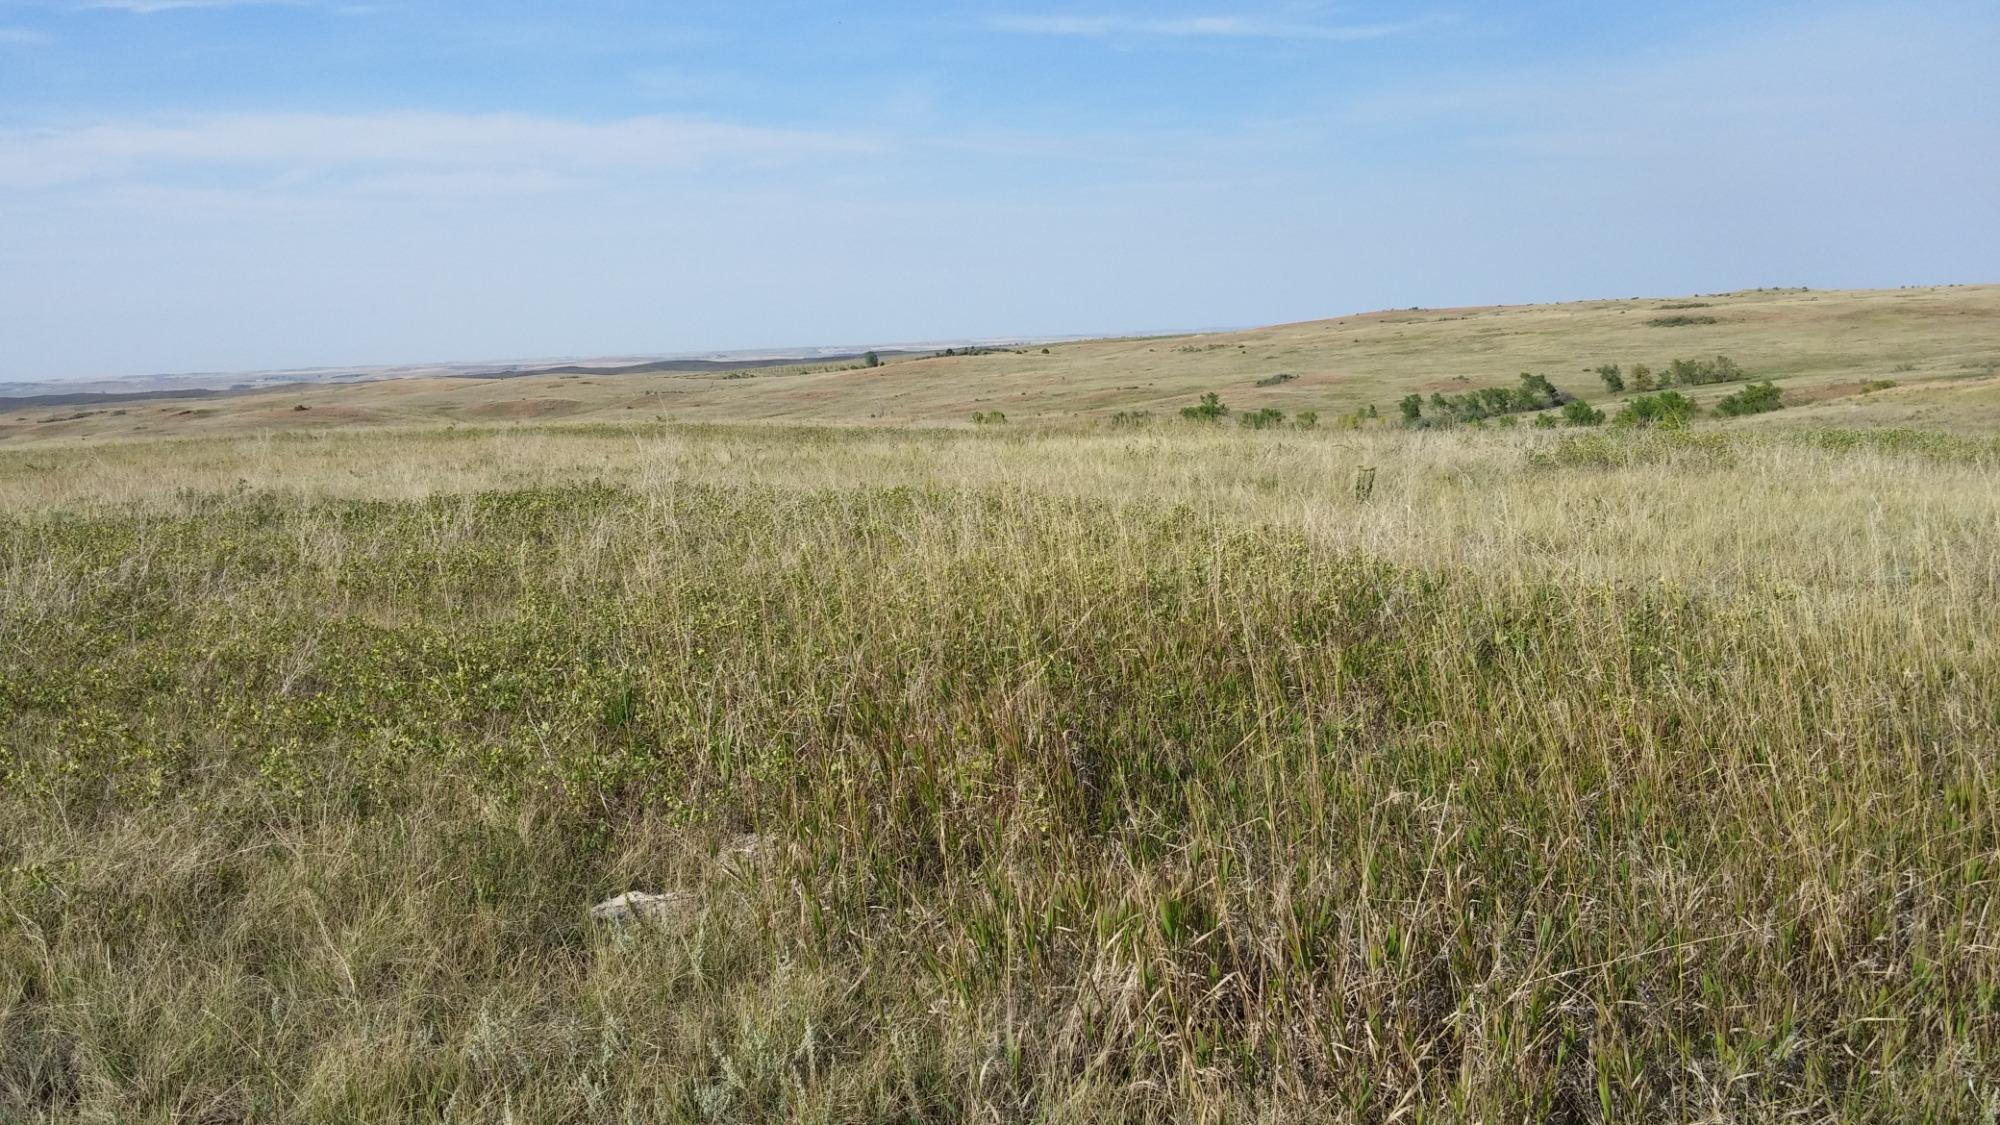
(1049, 775)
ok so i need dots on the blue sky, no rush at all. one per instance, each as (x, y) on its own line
(217, 185)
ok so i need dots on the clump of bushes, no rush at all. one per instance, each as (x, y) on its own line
(1209, 409)
(1132, 418)
(1667, 408)
(1697, 372)
(1758, 398)
(1534, 392)
(1873, 385)
(989, 418)
(1679, 373)
(1681, 321)
(1265, 419)
(1275, 380)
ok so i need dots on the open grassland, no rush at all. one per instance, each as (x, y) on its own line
(1173, 773)
(1940, 346)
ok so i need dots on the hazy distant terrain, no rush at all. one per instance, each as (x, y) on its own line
(135, 386)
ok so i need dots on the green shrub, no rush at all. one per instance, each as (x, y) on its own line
(1306, 419)
(1412, 407)
(1614, 379)
(1209, 409)
(1873, 385)
(1275, 380)
(1265, 419)
(1581, 413)
(1667, 408)
(1681, 321)
(1758, 398)
(1545, 421)
(989, 418)
(1699, 372)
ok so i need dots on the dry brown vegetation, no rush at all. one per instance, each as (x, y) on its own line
(1029, 773)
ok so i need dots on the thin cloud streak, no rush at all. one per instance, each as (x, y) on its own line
(388, 144)
(152, 7)
(1199, 27)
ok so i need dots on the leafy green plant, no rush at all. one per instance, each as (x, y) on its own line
(1209, 409)
(1581, 413)
(1699, 372)
(1667, 408)
(1758, 398)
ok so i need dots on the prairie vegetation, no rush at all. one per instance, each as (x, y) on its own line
(1158, 771)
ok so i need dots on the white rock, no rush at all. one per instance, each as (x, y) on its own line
(635, 908)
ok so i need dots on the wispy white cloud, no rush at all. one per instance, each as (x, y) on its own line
(1199, 27)
(22, 37)
(403, 147)
(150, 7)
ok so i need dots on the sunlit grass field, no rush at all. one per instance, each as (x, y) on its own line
(1170, 773)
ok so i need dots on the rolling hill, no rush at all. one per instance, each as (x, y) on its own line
(1940, 347)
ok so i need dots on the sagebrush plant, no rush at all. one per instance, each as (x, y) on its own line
(1074, 777)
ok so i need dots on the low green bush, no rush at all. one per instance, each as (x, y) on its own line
(1581, 413)
(1667, 408)
(1758, 398)
(1209, 409)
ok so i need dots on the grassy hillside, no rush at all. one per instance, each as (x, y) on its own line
(1181, 772)
(1940, 345)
